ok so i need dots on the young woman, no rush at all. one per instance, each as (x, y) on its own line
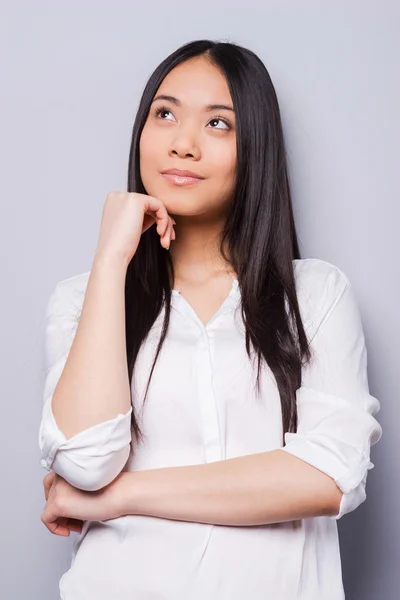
(207, 417)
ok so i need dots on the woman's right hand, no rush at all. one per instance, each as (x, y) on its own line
(126, 215)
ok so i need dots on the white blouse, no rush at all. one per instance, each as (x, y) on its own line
(202, 407)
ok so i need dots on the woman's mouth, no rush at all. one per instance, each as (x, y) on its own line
(179, 180)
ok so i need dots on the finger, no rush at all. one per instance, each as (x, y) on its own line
(75, 525)
(47, 483)
(173, 223)
(53, 522)
(63, 525)
(49, 477)
(164, 223)
(159, 212)
(47, 487)
(172, 233)
(64, 531)
(162, 226)
(56, 528)
(169, 234)
(156, 206)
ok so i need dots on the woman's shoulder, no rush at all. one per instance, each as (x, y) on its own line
(319, 285)
(318, 272)
(69, 292)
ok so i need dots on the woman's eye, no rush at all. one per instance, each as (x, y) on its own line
(221, 121)
(161, 110)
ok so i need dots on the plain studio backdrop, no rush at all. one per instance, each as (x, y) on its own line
(71, 77)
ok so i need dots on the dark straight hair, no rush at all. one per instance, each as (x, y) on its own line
(259, 231)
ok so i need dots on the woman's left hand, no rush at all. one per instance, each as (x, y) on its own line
(67, 507)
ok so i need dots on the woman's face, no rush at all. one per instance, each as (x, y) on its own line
(188, 136)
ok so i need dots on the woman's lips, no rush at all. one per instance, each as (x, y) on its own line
(178, 180)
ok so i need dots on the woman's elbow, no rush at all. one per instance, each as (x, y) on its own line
(90, 473)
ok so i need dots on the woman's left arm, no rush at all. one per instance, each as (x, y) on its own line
(249, 490)
(256, 489)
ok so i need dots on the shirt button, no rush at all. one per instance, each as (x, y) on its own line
(43, 463)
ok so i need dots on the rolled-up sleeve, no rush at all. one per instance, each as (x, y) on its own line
(92, 458)
(336, 424)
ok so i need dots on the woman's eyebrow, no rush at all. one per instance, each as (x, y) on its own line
(208, 108)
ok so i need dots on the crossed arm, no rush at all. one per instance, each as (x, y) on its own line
(256, 489)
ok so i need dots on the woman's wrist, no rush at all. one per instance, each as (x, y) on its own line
(123, 494)
(105, 260)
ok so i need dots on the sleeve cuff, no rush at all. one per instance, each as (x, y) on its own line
(334, 459)
(90, 459)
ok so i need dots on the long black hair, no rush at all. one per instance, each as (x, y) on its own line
(259, 231)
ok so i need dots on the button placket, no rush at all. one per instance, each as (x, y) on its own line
(207, 400)
(204, 367)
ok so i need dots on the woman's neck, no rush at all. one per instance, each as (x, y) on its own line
(195, 252)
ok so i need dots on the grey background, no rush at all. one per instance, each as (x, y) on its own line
(71, 77)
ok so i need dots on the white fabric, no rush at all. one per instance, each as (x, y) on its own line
(202, 407)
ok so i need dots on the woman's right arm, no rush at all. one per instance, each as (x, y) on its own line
(94, 385)
(85, 432)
